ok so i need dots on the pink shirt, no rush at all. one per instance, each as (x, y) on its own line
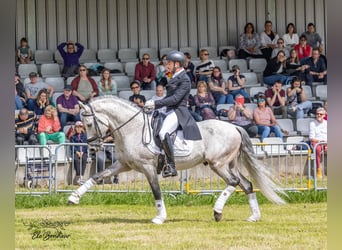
(45, 122)
(265, 116)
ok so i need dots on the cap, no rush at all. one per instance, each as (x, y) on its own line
(68, 87)
(79, 123)
(33, 74)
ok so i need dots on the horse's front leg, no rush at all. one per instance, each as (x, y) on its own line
(114, 169)
(152, 178)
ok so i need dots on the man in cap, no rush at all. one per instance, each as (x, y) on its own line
(68, 107)
(175, 101)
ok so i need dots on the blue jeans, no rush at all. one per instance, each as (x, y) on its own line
(302, 108)
(270, 80)
(233, 93)
(18, 103)
(221, 99)
(30, 104)
(66, 117)
(265, 131)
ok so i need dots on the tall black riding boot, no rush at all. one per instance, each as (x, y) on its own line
(168, 149)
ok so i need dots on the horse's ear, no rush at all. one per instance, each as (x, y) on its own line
(83, 106)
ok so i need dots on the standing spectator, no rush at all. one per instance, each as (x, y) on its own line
(297, 101)
(32, 89)
(275, 70)
(316, 70)
(205, 68)
(205, 102)
(107, 85)
(136, 97)
(158, 96)
(68, 107)
(25, 128)
(71, 57)
(145, 73)
(280, 47)
(20, 89)
(276, 100)
(318, 133)
(250, 44)
(49, 127)
(303, 48)
(189, 68)
(41, 103)
(268, 40)
(84, 87)
(240, 115)
(236, 85)
(313, 38)
(80, 152)
(217, 86)
(291, 36)
(265, 120)
(161, 71)
(24, 52)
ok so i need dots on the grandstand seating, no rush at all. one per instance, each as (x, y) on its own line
(125, 94)
(106, 55)
(153, 53)
(114, 66)
(308, 92)
(255, 90)
(321, 92)
(303, 125)
(43, 56)
(58, 58)
(192, 51)
(50, 70)
(147, 93)
(88, 56)
(220, 48)
(130, 69)
(55, 96)
(56, 82)
(274, 146)
(25, 69)
(287, 125)
(222, 64)
(258, 149)
(165, 51)
(128, 55)
(122, 83)
(242, 63)
(251, 80)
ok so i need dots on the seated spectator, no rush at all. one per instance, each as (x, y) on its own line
(68, 107)
(17, 101)
(240, 115)
(32, 89)
(268, 39)
(236, 85)
(276, 99)
(265, 120)
(70, 58)
(205, 103)
(316, 70)
(192, 106)
(20, 90)
(24, 52)
(228, 54)
(298, 104)
(41, 103)
(303, 48)
(159, 95)
(217, 86)
(318, 133)
(161, 71)
(107, 85)
(294, 67)
(49, 127)
(250, 44)
(275, 70)
(291, 36)
(136, 97)
(313, 38)
(79, 152)
(84, 87)
(325, 106)
(189, 68)
(145, 73)
(280, 46)
(25, 128)
(205, 68)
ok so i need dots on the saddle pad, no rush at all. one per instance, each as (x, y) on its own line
(181, 147)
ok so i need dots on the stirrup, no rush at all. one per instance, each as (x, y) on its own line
(166, 171)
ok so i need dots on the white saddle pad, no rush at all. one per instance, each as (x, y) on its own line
(181, 147)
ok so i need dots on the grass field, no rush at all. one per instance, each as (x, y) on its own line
(123, 221)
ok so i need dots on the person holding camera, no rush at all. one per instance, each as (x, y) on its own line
(276, 100)
(275, 70)
(298, 104)
(236, 85)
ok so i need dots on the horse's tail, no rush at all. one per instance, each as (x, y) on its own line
(258, 171)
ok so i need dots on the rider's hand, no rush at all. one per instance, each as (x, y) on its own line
(149, 105)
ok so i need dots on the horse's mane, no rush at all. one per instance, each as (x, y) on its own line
(132, 106)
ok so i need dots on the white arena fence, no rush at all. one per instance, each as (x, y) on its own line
(49, 169)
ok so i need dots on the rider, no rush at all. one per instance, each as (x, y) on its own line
(175, 101)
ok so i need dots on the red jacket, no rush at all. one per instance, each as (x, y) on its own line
(76, 81)
(142, 71)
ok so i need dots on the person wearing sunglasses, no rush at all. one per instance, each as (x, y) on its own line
(84, 87)
(137, 98)
(318, 133)
(145, 73)
(205, 68)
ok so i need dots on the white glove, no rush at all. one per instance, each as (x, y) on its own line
(149, 106)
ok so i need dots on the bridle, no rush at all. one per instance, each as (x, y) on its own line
(96, 122)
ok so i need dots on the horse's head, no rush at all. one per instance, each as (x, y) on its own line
(96, 124)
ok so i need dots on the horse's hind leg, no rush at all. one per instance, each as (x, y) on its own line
(247, 187)
(115, 168)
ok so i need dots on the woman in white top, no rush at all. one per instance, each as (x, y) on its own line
(107, 85)
(291, 37)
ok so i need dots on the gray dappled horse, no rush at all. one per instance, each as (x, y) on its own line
(221, 147)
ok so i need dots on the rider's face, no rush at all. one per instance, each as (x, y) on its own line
(170, 65)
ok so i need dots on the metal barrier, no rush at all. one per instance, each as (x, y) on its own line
(290, 163)
(323, 165)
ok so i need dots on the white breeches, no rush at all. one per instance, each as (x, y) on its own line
(170, 124)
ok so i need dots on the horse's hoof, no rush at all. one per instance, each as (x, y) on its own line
(158, 220)
(217, 216)
(70, 203)
(253, 218)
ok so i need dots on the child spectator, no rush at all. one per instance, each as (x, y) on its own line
(24, 52)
